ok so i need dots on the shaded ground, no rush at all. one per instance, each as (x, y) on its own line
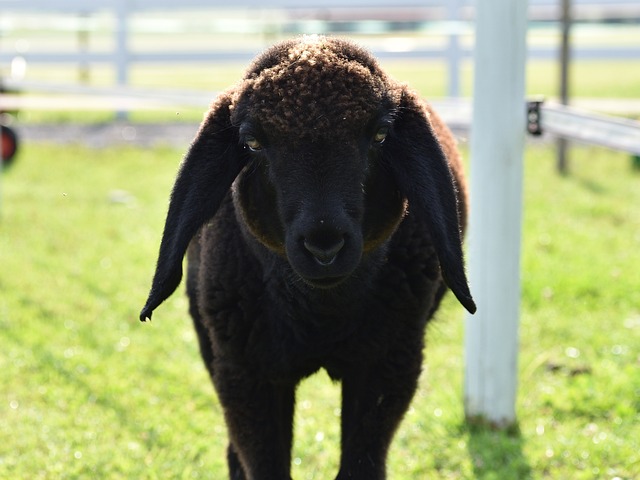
(108, 134)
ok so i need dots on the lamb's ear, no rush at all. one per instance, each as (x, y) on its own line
(205, 176)
(417, 161)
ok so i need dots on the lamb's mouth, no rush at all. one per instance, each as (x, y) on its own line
(325, 283)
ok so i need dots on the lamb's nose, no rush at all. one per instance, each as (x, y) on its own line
(324, 248)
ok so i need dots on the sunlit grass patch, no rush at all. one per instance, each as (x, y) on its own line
(86, 391)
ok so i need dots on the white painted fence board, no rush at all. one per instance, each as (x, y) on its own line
(588, 127)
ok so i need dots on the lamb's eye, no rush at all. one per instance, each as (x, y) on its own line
(253, 144)
(381, 135)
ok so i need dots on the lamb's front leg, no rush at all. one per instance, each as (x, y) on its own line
(374, 400)
(259, 417)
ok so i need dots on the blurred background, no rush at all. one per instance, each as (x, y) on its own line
(98, 102)
(149, 54)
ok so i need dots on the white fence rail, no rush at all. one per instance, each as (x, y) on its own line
(587, 127)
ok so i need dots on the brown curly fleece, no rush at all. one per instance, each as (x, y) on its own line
(310, 86)
(315, 84)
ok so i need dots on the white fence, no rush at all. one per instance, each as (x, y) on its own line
(448, 19)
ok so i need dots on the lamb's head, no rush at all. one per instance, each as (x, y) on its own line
(313, 116)
(324, 152)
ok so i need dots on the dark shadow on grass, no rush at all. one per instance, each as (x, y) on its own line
(592, 186)
(497, 453)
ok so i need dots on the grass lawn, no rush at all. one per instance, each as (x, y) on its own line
(86, 391)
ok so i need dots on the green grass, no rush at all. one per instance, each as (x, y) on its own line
(86, 391)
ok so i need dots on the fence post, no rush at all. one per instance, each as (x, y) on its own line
(122, 48)
(564, 78)
(83, 47)
(497, 141)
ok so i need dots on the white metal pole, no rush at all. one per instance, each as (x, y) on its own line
(497, 140)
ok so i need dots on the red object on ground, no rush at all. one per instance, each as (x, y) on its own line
(8, 145)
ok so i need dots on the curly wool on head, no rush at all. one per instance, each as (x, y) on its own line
(312, 86)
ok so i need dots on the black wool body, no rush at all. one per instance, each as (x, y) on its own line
(322, 207)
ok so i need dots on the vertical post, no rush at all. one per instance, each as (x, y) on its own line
(122, 45)
(497, 141)
(453, 53)
(83, 46)
(564, 78)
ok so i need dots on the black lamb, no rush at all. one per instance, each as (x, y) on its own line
(322, 206)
